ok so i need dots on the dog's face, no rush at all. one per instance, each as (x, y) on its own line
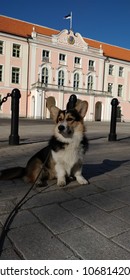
(69, 122)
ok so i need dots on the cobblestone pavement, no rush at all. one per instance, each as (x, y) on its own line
(74, 222)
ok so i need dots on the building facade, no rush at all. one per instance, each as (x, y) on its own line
(44, 62)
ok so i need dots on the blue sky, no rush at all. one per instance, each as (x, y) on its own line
(105, 21)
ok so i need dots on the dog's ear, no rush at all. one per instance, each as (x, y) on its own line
(50, 101)
(54, 112)
(82, 107)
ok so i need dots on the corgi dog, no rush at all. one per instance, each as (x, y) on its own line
(63, 155)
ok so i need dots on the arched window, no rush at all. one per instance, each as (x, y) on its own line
(61, 78)
(45, 75)
(76, 81)
(90, 82)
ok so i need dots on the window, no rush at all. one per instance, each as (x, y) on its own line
(110, 86)
(1, 47)
(15, 75)
(90, 82)
(61, 78)
(91, 65)
(120, 90)
(45, 75)
(77, 60)
(61, 57)
(16, 50)
(121, 70)
(76, 81)
(1, 72)
(45, 56)
(111, 68)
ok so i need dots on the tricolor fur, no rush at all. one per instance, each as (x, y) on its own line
(63, 156)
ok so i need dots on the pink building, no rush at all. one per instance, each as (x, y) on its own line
(44, 62)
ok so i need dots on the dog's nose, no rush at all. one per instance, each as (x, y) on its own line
(61, 127)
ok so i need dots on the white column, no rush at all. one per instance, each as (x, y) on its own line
(38, 104)
(92, 108)
(61, 100)
(43, 105)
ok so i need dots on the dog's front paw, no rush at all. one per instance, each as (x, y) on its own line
(61, 183)
(82, 181)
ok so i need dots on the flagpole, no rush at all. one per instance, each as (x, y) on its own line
(71, 21)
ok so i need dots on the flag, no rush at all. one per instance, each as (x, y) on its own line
(67, 17)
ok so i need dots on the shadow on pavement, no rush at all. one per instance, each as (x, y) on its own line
(93, 170)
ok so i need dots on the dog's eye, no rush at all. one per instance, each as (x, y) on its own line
(69, 119)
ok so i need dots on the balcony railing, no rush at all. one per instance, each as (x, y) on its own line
(45, 59)
(70, 90)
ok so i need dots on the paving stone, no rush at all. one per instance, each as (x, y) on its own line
(123, 170)
(37, 243)
(81, 191)
(7, 243)
(101, 221)
(120, 195)
(6, 206)
(21, 218)
(12, 190)
(123, 240)
(111, 183)
(127, 189)
(57, 218)
(91, 245)
(9, 254)
(73, 204)
(104, 202)
(123, 214)
(44, 198)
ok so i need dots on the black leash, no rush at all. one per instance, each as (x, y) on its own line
(13, 213)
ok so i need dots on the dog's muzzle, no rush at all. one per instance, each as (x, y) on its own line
(61, 127)
(64, 130)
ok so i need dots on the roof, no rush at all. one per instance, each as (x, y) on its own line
(110, 50)
(24, 29)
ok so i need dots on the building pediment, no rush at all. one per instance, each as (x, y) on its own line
(70, 39)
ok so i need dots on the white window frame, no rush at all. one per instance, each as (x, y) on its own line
(120, 90)
(121, 71)
(77, 60)
(76, 81)
(1, 73)
(16, 50)
(90, 82)
(45, 55)
(45, 75)
(61, 78)
(111, 69)
(110, 87)
(1, 47)
(17, 75)
(62, 58)
(91, 65)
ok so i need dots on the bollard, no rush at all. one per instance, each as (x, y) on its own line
(72, 102)
(112, 135)
(14, 137)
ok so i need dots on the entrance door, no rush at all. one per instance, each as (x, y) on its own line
(98, 111)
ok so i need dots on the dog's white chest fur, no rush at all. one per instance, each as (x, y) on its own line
(66, 158)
